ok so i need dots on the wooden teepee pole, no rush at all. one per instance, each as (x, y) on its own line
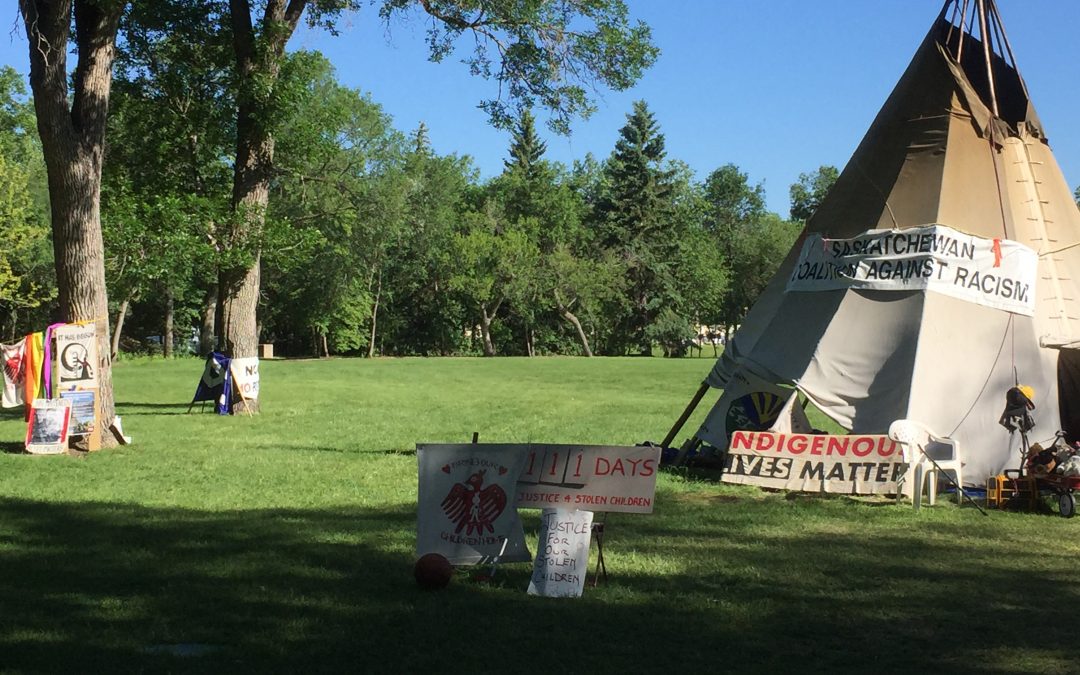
(963, 29)
(987, 56)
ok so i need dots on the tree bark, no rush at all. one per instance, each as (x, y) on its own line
(73, 143)
(258, 63)
(120, 316)
(209, 316)
(576, 323)
(565, 312)
(374, 317)
(167, 333)
(485, 331)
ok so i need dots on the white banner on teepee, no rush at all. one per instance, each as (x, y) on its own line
(996, 273)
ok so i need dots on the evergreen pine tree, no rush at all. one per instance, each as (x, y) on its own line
(526, 148)
(421, 141)
(636, 222)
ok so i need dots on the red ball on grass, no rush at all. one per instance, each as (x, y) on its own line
(433, 571)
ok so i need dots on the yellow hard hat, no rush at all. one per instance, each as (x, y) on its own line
(1027, 391)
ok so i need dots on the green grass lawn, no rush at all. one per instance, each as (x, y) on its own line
(285, 542)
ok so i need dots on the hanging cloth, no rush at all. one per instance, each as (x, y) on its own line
(13, 362)
(34, 357)
(46, 368)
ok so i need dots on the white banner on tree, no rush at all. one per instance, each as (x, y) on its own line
(245, 372)
(997, 273)
(562, 556)
(76, 356)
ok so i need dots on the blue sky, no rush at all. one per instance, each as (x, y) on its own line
(777, 88)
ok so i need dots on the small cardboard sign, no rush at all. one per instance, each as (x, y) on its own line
(245, 375)
(83, 410)
(47, 429)
(562, 555)
(76, 356)
(465, 506)
(594, 477)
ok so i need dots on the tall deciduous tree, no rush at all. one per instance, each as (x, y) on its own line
(538, 52)
(26, 276)
(166, 180)
(806, 195)
(72, 128)
(753, 241)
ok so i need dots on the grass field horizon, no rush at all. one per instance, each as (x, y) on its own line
(284, 542)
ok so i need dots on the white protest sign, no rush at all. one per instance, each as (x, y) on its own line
(76, 356)
(245, 372)
(595, 477)
(863, 465)
(47, 429)
(996, 273)
(562, 556)
(466, 503)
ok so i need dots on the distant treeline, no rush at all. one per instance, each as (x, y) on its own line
(373, 243)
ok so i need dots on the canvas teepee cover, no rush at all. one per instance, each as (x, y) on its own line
(958, 145)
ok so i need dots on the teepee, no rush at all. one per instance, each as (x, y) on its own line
(941, 269)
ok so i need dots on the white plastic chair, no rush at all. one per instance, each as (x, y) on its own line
(919, 445)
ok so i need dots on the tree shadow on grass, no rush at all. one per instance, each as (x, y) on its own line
(13, 447)
(128, 408)
(110, 587)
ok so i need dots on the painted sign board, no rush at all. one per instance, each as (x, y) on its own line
(76, 357)
(562, 555)
(245, 376)
(465, 505)
(592, 477)
(856, 464)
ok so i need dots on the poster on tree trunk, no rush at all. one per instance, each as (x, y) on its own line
(245, 375)
(47, 429)
(76, 356)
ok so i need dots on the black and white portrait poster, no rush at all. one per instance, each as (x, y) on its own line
(47, 430)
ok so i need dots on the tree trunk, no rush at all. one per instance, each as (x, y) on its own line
(325, 347)
(569, 316)
(564, 311)
(72, 131)
(529, 342)
(374, 317)
(209, 315)
(258, 63)
(485, 331)
(167, 334)
(120, 316)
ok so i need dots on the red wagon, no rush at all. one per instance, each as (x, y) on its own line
(1063, 487)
